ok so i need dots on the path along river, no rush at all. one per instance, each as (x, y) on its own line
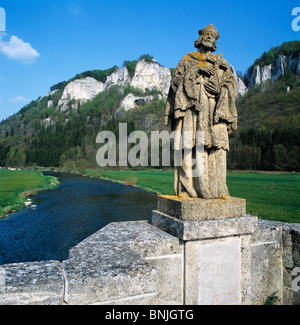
(68, 214)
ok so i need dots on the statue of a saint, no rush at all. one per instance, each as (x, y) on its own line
(202, 97)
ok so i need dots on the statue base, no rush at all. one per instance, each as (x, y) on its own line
(204, 229)
(197, 219)
(216, 236)
(190, 209)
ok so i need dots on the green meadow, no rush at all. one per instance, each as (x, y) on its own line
(272, 196)
(17, 185)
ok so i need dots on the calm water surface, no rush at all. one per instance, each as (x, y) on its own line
(65, 216)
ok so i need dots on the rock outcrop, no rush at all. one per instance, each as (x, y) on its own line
(151, 75)
(119, 77)
(242, 89)
(130, 101)
(275, 70)
(268, 72)
(148, 75)
(80, 91)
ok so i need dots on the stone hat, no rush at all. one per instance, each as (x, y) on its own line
(210, 28)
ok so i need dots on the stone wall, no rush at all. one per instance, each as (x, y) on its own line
(275, 249)
(136, 263)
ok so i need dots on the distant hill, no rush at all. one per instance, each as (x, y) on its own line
(60, 128)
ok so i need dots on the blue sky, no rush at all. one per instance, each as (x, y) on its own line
(48, 41)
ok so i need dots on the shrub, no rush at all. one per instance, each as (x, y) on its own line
(131, 181)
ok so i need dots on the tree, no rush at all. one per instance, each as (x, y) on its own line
(280, 157)
(146, 57)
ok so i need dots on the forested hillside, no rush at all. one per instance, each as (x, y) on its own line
(268, 137)
(28, 138)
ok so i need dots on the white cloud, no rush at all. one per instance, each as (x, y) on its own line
(19, 99)
(17, 49)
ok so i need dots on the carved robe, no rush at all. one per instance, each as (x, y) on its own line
(191, 107)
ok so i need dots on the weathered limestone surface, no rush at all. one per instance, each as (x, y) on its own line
(242, 88)
(216, 234)
(275, 257)
(130, 101)
(31, 284)
(201, 109)
(266, 263)
(190, 209)
(213, 272)
(120, 77)
(80, 90)
(115, 264)
(151, 75)
(192, 230)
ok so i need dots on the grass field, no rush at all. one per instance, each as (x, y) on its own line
(16, 185)
(272, 196)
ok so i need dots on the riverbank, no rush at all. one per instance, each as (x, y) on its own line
(62, 217)
(16, 186)
(270, 195)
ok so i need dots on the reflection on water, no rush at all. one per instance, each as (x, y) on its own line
(65, 216)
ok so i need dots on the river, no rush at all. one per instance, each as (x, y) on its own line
(68, 214)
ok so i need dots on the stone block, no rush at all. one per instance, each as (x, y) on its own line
(213, 272)
(266, 271)
(267, 232)
(125, 263)
(105, 268)
(193, 230)
(38, 283)
(199, 209)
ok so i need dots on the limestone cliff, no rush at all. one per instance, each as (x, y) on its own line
(148, 75)
(272, 72)
(275, 70)
(79, 91)
(242, 89)
(151, 75)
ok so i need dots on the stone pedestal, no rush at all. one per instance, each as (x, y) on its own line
(216, 235)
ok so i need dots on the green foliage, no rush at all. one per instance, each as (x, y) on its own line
(130, 65)
(272, 300)
(268, 137)
(146, 57)
(100, 75)
(4, 150)
(59, 86)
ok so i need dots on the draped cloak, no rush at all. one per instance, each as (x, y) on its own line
(190, 107)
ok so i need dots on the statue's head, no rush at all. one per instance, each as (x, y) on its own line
(208, 38)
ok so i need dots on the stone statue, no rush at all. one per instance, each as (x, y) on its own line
(202, 97)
